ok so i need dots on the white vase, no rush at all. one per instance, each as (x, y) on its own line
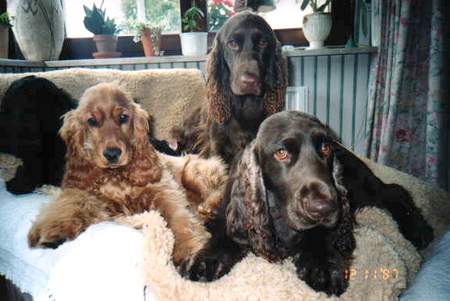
(39, 29)
(194, 43)
(317, 27)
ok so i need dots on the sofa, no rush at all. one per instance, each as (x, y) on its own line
(130, 259)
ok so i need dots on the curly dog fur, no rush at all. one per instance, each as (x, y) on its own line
(113, 171)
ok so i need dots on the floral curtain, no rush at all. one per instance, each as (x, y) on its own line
(409, 91)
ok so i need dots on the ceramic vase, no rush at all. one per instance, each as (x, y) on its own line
(194, 43)
(317, 27)
(39, 29)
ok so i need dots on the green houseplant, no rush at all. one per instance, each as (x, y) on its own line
(149, 34)
(5, 24)
(104, 30)
(193, 39)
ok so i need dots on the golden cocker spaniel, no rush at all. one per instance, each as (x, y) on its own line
(113, 171)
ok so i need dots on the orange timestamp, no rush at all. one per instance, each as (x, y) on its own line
(381, 273)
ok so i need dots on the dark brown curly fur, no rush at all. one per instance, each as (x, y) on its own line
(112, 171)
(244, 86)
(293, 193)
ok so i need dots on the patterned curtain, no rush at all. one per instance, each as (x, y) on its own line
(409, 91)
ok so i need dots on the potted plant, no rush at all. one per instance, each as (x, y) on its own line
(5, 24)
(150, 36)
(193, 40)
(104, 30)
(316, 26)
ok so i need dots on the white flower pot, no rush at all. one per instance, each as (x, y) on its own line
(39, 29)
(317, 27)
(194, 43)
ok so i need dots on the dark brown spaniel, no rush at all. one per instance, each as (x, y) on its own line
(294, 193)
(247, 80)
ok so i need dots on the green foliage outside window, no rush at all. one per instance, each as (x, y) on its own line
(218, 12)
(164, 13)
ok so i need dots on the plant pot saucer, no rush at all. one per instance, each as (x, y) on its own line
(104, 55)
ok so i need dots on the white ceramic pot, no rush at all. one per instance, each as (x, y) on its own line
(39, 29)
(194, 43)
(317, 27)
(4, 41)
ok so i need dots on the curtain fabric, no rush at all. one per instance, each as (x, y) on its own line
(408, 123)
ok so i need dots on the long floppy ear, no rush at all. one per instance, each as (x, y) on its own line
(248, 219)
(344, 240)
(218, 90)
(145, 166)
(72, 133)
(276, 82)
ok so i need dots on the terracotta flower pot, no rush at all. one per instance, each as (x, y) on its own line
(105, 42)
(150, 47)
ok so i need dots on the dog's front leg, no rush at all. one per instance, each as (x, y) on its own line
(67, 216)
(190, 235)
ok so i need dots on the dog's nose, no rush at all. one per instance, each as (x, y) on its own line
(320, 208)
(317, 200)
(249, 79)
(112, 154)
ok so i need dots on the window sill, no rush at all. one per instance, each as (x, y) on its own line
(171, 59)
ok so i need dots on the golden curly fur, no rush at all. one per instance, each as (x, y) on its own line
(97, 189)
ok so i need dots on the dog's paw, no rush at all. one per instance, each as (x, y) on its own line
(322, 276)
(209, 264)
(51, 235)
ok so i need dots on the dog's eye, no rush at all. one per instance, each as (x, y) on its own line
(233, 45)
(262, 44)
(92, 121)
(123, 118)
(281, 154)
(325, 149)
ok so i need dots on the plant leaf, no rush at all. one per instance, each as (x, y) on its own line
(323, 6)
(304, 4)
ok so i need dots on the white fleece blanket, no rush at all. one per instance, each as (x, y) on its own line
(103, 263)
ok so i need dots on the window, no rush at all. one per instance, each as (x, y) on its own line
(161, 12)
(164, 12)
(287, 13)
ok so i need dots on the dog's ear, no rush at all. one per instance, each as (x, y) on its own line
(72, 133)
(145, 167)
(141, 125)
(219, 97)
(344, 240)
(248, 219)
(276, 81)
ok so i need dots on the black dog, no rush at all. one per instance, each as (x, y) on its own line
(294, 193)
(30, 118)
